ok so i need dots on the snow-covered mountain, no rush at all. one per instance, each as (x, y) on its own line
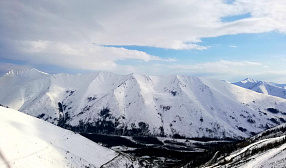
(142, 105)
(269, 88)
(30, 142)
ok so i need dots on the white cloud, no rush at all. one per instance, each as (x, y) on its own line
(77, 55)
(233, 46)
(62, 33)
(164, 23)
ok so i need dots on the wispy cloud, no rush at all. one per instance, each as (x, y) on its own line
(77, 55)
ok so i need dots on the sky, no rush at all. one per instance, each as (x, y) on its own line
(222, 39)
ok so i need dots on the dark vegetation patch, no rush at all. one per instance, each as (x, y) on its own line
(148, 140)
(105, 113)
(242, 129)
(91, 98)
(41, 115)
(251, 121)
(274, 120)
(104, 124)
(178, 136)
(168, 154)
(282, 120)
(3, 106)
(207, 139)
(63, 116)
(173, 158)
(60, 107)
(174, 93)
(175, 142)
(273, 110)
(165, 108)
(269, 132)
(71, 92)
(208, 145)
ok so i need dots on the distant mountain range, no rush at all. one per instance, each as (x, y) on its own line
(173, 106)
(269, 88)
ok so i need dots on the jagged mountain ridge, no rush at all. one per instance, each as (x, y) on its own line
(143, 105)
(29, 142)
(269, 88)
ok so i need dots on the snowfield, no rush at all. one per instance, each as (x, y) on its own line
(142, 105)
(30, 142)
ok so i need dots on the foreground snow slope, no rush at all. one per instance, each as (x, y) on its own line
(142, 105)
(268, 88)
(29, 142)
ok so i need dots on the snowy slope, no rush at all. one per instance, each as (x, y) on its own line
(268, 88)
(142, 105)
(267, 149)
(264, 153)
(30, 142)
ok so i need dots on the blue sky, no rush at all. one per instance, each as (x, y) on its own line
(223, 39)
(267, 49)
(252, 47)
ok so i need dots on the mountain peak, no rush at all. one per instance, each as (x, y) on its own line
(26, 73)
(246, 80)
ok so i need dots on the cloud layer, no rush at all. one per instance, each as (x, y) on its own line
(74, 34)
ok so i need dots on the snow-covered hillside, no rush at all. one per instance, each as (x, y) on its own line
(268, 88)
(136, 104)
(267, 149)
(29, 142)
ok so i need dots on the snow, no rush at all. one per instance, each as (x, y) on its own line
(30, 142)
(272, 158)
(236, 154)
(184, 105)
(265, 153)
(268, 88)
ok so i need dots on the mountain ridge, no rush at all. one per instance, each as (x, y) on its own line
(135, 104)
